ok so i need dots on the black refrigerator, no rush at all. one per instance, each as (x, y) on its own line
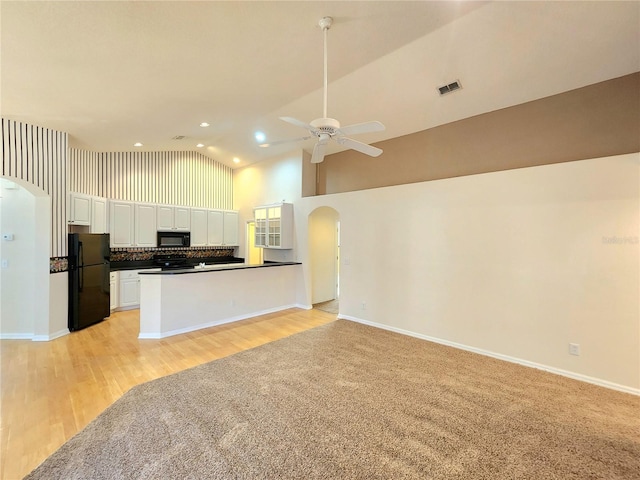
(88, 279)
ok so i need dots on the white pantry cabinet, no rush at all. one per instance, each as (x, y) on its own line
(274, 226)
(171, 217)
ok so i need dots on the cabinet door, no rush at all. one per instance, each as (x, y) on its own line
(146, 231)
(165, 217)
(215, 224)
(80, 209)
(182, 218)
(198, 227)
(260, 217)
(230, 229)
(99, 215)
(129, 292)
(122, 224)
(114, 284)
(273, 227)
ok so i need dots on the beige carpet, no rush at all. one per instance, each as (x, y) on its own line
(347, 401)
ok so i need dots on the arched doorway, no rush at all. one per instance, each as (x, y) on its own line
(25, 220)
(324, 258)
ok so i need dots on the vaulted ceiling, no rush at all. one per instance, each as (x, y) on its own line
(114, 73)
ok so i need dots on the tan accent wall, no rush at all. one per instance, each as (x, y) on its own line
(599, 120)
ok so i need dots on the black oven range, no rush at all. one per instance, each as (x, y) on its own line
(171, 261)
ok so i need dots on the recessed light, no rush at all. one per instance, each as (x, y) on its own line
(138, 144)
(260, 137)
(200, 145)
(236, 160)
(204, 124)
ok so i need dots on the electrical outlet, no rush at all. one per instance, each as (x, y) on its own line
(574, 349)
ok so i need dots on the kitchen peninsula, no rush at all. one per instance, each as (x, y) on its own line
(180, 301)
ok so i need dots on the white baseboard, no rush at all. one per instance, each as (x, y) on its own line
(51, 336)
(158, 335)
(16, 336)
(507, 358)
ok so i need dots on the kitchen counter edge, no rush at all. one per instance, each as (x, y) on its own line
(218, 268)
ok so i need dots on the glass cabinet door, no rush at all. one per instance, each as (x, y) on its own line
(273, 220)
(260, 216)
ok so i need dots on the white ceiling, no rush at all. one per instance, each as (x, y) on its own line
(113, 73)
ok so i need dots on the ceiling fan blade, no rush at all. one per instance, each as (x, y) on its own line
(359, 146)
(297, 123)
(318, 152)
(366, 127)
(280, 142)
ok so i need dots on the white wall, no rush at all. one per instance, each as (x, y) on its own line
(516, 264)
(24, 297)
(272, 181)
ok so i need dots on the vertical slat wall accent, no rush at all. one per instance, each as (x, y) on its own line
(38, 156)
(90, 172)
(175, 178)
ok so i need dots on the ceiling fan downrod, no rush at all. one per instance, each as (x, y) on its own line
(325, 23)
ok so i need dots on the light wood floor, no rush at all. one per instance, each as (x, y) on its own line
(51, 390)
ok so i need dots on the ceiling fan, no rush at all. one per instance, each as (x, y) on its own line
(325, 129)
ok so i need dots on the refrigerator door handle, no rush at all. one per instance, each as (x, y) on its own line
(80, 255)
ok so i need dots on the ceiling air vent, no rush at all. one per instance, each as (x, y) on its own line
(452, 87)
(179, 137)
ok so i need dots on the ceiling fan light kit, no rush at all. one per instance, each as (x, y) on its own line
(325, 128)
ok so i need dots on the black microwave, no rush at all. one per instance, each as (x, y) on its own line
(174, 239)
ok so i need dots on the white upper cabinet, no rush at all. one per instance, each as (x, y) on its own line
(79, 209)
(121, 222)
(274, 226)
(99, 215)
(199, 233)
(215, 226)
(182, 218)
(132, 224)
(230, 228)
(146, 233)
(173, 218)
(88, 210)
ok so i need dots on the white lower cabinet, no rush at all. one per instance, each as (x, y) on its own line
(128, 288)
(114, 283)
(129, 292)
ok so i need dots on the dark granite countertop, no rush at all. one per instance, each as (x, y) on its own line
(145, 264)
(218, 268)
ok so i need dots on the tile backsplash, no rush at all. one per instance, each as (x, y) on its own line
(61, 264)
(137, 254)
